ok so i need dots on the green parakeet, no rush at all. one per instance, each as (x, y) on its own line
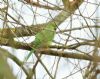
(44, 37)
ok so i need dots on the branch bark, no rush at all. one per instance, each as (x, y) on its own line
(33, 29)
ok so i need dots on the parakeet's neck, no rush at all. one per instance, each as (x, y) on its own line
(51, 27)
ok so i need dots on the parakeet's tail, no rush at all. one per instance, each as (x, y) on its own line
(30, 53)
